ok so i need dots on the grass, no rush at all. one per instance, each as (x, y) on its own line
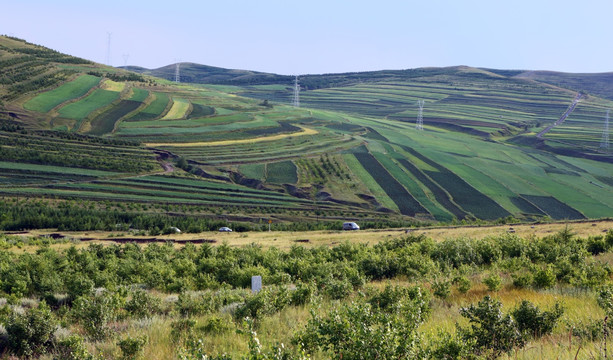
(111, 85)
(139, 94)
(178, 110)
(46, 101)
(105, 122)
(283, 172)
(80, 109)
(154, 109)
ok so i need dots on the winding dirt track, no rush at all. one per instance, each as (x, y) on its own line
(562, 118)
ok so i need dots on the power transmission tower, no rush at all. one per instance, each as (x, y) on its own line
(604, 143)
(419, 125)
(296, 100)
(125, 59)
(108, 49)
(177, 71)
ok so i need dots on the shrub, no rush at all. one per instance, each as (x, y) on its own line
(441, 288)
(544, 278)
(132, 347)
(534, 322)
(72, 348)
(522, 279)
(190, 304)
(217, 325)
(359, 330)
(268, 301)
(492, 332)
(337, 289)
(303, 294)
(31, 334)
(95, 312)
(450, 347)
(493, 282)
(182, 328)
(596, 245)
(463, 284)
(143, 305)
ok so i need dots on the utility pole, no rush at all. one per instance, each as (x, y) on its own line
(296, 100)
(419, 124)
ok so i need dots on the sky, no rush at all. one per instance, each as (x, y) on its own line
(324, 36)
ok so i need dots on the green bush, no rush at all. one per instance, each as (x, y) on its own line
(217, 325)
(95, 312)
(441, 288)
(132, 348)
(533, 322)
(492, 332)
(142, 304)
(267, 301)
(493, 281)
(31, 334)
(190, 304)
(71, 348)
(544, 278)
(522, 279)
(463, 284)
(358, 330)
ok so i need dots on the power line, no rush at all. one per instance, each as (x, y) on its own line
(178, 71)
(296, 99)
(419, 124)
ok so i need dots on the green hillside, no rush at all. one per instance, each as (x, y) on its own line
(231, 146)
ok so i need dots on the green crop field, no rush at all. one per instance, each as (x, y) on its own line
(154, 109)
(139, 94)
(48, 100)
(80, 109)
(105, 122)
(283, 172)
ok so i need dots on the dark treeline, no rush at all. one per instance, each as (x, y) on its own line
(84, 216)
(119, 77)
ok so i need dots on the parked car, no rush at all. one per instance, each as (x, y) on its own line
(350, 226)
(225, 229)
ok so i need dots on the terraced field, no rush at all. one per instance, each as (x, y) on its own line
(99, 98)
(353, 145)
(72, 90)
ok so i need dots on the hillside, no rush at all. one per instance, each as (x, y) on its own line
(235, 150)
(599, 84)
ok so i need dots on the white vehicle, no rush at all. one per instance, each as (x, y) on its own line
(350, 226)
(225, 229)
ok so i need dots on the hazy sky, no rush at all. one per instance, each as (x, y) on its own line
(324, 36)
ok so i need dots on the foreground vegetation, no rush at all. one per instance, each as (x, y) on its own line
(408, 297)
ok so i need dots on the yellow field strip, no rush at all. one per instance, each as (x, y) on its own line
(305, 131)
(178, 109)
(111, 85)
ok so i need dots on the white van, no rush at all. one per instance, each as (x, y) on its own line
(350, 226)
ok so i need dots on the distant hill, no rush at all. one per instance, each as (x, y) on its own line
(203, 74)
(600, 84)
